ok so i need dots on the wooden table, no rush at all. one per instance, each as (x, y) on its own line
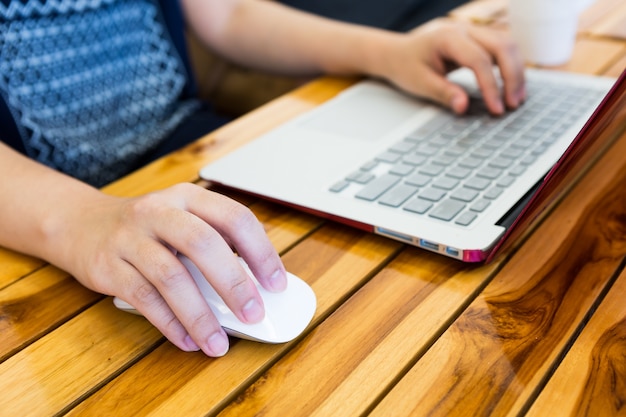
(398, 331)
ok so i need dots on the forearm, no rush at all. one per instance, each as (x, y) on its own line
(38, 205)
(267, 35)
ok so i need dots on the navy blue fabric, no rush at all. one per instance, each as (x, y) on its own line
(398, 15)
(173, 18)
(142, 119)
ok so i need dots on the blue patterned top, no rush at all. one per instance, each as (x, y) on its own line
(88, 86)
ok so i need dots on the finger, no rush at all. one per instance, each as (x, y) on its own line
(145, 298)
(438, 89)
(208, 249)
(468, 53)
(509, 61)
(240, 227)
(170, 298)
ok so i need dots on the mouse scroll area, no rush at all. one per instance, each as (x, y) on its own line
(287, 314)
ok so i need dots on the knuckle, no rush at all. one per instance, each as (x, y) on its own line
(201, 238)
(202, 321)
(242, 218)
(140, 208)
(145, 294)
(238, 285)
(172, 276)
(185, 188)
(507, 46)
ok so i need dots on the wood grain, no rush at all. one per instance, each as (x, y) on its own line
(591, 380)
(14, 266)
(353, 357)
(618, 66)
(398, 331)
(59, 369)
(37, 304)
(523, 320)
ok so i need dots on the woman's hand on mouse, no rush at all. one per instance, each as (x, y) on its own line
(127, 253)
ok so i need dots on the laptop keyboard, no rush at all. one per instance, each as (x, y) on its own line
(454, 167)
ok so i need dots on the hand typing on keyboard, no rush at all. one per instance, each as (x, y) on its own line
(453, 168)
(442, 45)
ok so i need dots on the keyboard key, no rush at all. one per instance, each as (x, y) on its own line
(431, 169)
(458, 172)
(464, 194)
(445, 183)
(512, 153)
(368, 166)
(339, 186)
(493, 193)
(501, 162)
(414, 159)
(447, 210)
(432, 194)
(455, 151)
(430, 126)
(470, 162)
(505, 181)
(444, 160)
(480, 205)
(387, 156)
(377, 187)
(426, 150)
(466, 218)
(360, 177)
(418, 180)
(477, 183)
(482, 153)
(397, 195)
(401, 169)
(417, 205)
(489, 172)
(517, 170)
(402, 147)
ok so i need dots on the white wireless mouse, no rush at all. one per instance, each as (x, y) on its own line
(287, 313)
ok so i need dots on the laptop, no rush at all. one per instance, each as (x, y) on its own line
(464, 186)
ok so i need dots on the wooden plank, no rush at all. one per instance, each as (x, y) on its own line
(349, 360)
(591, 380)
(36, 304)
(493, 358)
(617, 67)
(596, 13)
(59, 369)
(335, 261)
(611, 24)
(14, 266)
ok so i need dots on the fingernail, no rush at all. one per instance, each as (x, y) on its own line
(253, 311)
(457, 103)
(499, 106)
(217, 344)
(278, 281)
(190, 345)
(522, 95)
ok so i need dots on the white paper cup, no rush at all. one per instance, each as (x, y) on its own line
(545, 30)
